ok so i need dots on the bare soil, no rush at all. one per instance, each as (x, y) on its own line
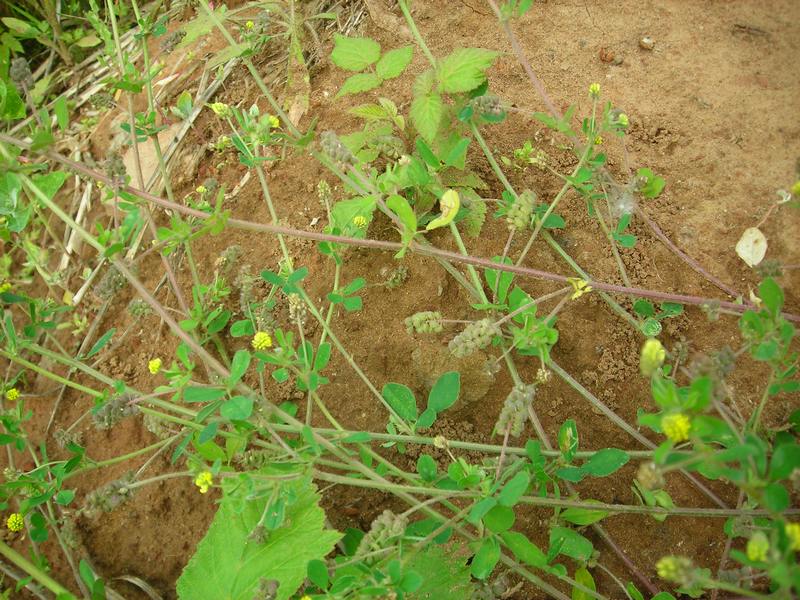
(714, 109)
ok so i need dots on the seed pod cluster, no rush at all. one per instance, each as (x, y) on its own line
(390, 146)
(113, 411)
(650, 477)
(172, 40)
(115, 170)
(424, 322)
(488, 106)
(515, 409)
(476, 336)
(109, 497)
(520, 212)
(381, 533)
(333, 147)
(20, 73)
(112, 282)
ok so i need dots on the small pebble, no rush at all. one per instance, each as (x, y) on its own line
(647, 43)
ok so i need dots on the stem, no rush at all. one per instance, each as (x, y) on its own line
(34, 571)
(415, 32)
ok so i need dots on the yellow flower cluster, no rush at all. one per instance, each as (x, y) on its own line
(652, 357)
(580, 287)
(594, 90)
(261, 340)
(4, 287)
(274, 122)
(220, 109)
(12, 394)
(676, 427)
(154, 366)
(793, 533)
(360, 221)
(204, 481)
(757, 547)
(15, 522)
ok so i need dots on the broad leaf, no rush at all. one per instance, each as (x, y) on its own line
(445, 576)
(354, 54)
(394, 62)
(464, 69)
(227, 564)
(361, 82)
(426, 113)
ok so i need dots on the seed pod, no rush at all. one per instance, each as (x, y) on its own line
(490, 106)
(109, 497)
(172, 40)
(382, 532)
(112, 282)
(520, 212)
(115, 170)
(476, 336)
(20, 73)
(389, 145)
(424, 322)
(335, 149)
(102, 100)
(650, 476)
(113, 411)
(515, 410)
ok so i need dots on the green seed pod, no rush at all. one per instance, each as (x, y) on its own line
(489, 106)
(520, 212)
(113, 411)
(382, 532)
(476, 336)
(650, 476)
(115, 170)
(424, 322)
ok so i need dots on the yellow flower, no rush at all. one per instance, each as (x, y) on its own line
(204, 481)
(154, 366)
(306, 597)
(15, 522)
(676, 569)
(261, 340)
(652, 357)
(581, 287)
(201, 189)
(622, 120)
(4, 287)
(249, 25)
(757, 547)
(598, 141)
(793, 533)
(676, 427)
(220, 109)
(360, 221)
(796, 188)
(274, 121)
(594, 90)
(12, 394)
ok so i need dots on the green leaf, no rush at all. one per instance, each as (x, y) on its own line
(583, 516)
(785, 459)
(445, 576)
(354, 54)
(361, 82)
(202, 394)
(634, 593)
(64, 497)
(402, 401)
(652, 185)
(394, 62)
(18, 25)
(485, 559)
(479, 509)
(426, 467)
(445, 391)
(464, 69)
(238, 408)
(514, 489)
(318, 573)
(776, 498)
(771, 294)
(524, 549)
(227, 564)
(571, 543)
(62, 112)
(104, 339)
(239, 366)
(50, 183)
(604, 462)
(11, 105)
(499, 518)
(585, 578)
(427, 418)
(400, 206)
(426, 113)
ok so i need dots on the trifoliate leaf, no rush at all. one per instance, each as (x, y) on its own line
(752, 246)
(227, 564)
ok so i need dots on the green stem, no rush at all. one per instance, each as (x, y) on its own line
(415, 32)
(34, 571)
(45, 373)
(476, 281)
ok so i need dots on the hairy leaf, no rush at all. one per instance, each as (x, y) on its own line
(361, 82)
(354, 54)
(464, 69)
(394, 62)
(229, 565)
(426, 113)
(445, 576)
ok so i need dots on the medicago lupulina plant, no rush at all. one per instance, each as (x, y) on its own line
(459, 521)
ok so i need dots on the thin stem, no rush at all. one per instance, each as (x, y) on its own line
(34, 571)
